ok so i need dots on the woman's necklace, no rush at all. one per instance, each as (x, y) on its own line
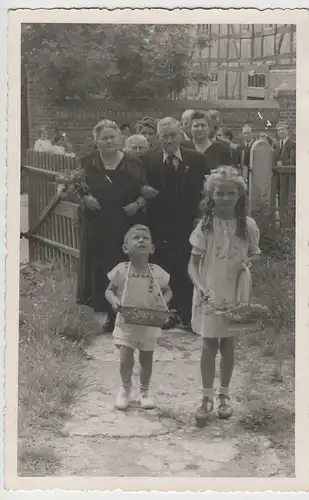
(111, 162)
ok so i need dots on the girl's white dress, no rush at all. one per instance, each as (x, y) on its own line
(222, 254)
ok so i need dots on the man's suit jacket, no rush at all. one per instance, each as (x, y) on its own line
(217, 154)
(173, 211)
(245, 151)
(287, 154)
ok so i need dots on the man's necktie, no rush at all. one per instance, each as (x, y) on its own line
(169, 162)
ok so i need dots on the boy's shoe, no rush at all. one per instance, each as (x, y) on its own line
(204, 411)
(145, 401)
(123, 399)
(224, 409)
(171, 323)
(109, 324)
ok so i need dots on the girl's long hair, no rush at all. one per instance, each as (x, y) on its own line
(225, 174)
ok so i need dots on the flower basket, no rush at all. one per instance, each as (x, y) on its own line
(242, 310)
(145, 317)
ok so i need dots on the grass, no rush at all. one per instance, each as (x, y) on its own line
(269, 358)
(53, 335)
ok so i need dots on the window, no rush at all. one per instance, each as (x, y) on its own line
(257, 81)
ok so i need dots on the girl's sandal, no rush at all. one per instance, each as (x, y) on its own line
(204, 411)
(224, 408)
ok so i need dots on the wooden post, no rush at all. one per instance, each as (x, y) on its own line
(260, 182)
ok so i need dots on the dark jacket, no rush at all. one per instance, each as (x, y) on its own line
(217, 154)
(245, 153)
(102, 231)
(287, 155)
(173, 211)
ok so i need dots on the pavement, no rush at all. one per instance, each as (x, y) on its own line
(99, 440)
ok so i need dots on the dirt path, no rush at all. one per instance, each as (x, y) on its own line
(98, 440)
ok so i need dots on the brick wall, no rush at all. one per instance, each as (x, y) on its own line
(77, 118)
(282, 80)
(287, 110)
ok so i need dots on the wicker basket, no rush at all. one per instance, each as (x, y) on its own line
(145, 317)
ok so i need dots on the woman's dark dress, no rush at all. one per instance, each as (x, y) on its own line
(102, 231)
(217, 154)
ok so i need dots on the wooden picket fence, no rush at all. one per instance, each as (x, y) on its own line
(58, 239)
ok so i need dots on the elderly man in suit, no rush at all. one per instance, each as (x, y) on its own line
(285, 148)
(176, 177)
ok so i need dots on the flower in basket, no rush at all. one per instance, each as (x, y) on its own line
(72, 182)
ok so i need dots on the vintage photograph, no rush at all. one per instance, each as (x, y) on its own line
(157, 250)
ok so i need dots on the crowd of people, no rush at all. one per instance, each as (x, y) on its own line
(176, 192)
(59, 145)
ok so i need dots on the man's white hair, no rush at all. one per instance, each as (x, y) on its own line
(133, 138)
(186, 115)
(168, 120)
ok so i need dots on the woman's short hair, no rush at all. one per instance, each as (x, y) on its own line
(124, 126)
(58, 136)
(97, 129)
(226, 132)
(200, 115)
(148, 122)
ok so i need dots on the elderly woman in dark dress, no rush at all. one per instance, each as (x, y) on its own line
(110, 205)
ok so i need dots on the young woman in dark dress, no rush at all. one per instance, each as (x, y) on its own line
(114, 180)
(217, 152)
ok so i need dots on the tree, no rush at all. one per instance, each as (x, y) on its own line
(119, 61)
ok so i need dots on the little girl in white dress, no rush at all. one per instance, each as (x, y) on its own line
(224, 243)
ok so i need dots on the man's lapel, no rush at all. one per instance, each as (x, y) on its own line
(184, 169)
(159, 166)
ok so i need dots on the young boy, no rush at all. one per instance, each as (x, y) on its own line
(146, 286)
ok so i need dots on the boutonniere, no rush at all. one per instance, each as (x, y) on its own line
(187, 168)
